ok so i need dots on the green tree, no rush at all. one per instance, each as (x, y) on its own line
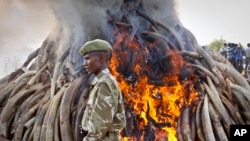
(217, 44)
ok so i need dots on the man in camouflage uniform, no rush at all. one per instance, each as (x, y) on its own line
(104, 115)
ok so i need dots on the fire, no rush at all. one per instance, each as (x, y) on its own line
(157, 103)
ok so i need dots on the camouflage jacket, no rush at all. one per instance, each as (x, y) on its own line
(104, 111)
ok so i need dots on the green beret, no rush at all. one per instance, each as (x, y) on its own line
(95, 45)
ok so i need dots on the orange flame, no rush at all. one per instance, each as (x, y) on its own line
(162, 103)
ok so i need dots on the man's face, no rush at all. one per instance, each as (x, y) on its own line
(92, 63)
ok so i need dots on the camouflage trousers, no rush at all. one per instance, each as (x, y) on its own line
(110, 136)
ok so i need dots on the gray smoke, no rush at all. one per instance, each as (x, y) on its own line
(164, 11)
(85, 20)
(81, 21)
(25, 24)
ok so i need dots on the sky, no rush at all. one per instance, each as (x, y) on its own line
(215, 19)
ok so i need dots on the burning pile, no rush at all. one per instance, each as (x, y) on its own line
(172, 88)
(154, 96)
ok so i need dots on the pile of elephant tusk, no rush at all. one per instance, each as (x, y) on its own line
(45, 98)
(30, 112)
(223, 102)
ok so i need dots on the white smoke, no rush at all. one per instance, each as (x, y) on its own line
(164, 11)
(24, 26)
(83, 20)
(26, 23)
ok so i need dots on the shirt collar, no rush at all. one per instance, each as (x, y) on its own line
(98, 77)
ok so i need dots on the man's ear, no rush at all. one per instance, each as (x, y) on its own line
(108, 55)
(102, 57)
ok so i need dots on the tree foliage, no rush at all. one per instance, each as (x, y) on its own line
(217, 44)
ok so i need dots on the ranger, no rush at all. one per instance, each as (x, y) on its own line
(104, 116)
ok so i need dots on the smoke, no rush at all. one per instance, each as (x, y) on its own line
(164, 11)
(85, 20)
(26, 23)
(24, 26)
(81, 21)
